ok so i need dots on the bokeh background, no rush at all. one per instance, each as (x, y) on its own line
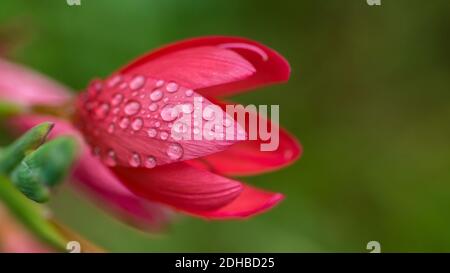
(368, 98)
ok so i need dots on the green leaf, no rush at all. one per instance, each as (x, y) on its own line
(30, 214)
(44, 168)
(11, 156)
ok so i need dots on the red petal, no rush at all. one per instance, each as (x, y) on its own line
(246, 157)
(24, 86)
(107, 191)
(181, 186)
(218, 72)
(250, 202)
(130, 126)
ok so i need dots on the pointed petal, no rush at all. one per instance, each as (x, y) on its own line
(247, 157)
(97, 180)
(181, 186)
(137, 118)
(215, 65)
(251, 201)
(24, 86)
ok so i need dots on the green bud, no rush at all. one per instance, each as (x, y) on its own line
(15, 152)
(44, 168)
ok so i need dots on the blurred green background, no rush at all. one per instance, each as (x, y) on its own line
(368, 98)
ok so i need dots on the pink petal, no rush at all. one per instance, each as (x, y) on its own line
(24, 86)
(179, 185)
(246, 158)
(97, 180)
(252, 65)
(127, 125)
(251, 201)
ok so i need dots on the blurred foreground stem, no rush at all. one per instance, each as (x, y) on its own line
(30, 214)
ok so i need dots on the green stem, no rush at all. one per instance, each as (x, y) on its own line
(30, 214)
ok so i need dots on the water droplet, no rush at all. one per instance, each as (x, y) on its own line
(111, 128)
(102, 111)
(137, 124)
(152, 132)
(116, 110)
(157, 124)
(174, 151)
(135, 160)
(111, 159)
(152, 107)
(132, 108)
(164, 135)
(156, 95)
(209, 113)
(117, 99)
(123, 85)
(137, 82)
(169, 113)
(114, 81)
(180, 128)
(159, 83)
(187, 108)
(189, 92)
(172, 87)
(150, 162)
(124, 122)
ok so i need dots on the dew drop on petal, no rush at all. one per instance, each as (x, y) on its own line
(102, 111)
(151, 132)
(180, 127)
(174, 151)
(123, 85)
(137, 124)
(159, 83)
(150, 162)
(152, 107)
(156, 95)
(137, 82)
(111, 159)
(157, 124)
(135, 160)
(114, 81)
(169, 113)
(124, 123)
(111, 128)
(164, 135)
(166, 100)
(132, 108)
(172, 87)
(117, 99)
(189, 92)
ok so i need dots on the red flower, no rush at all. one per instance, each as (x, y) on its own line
(127, 120)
